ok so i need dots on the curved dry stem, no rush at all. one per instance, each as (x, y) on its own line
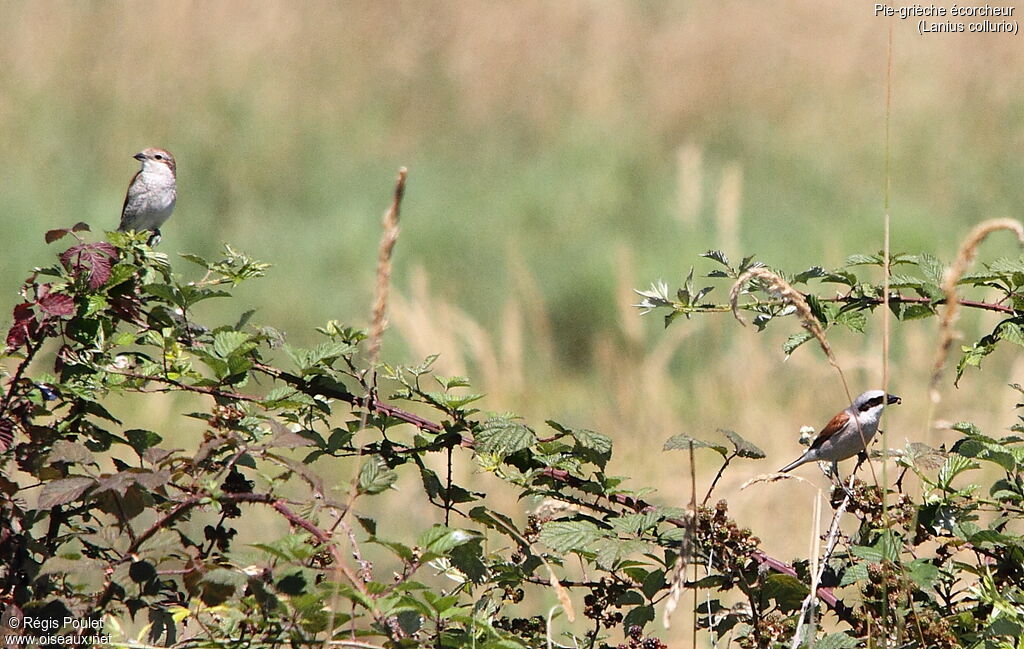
(968, 251)
(785, 292)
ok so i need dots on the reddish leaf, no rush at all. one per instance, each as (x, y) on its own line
(25, 325)
(60, 233)
(57, 304)
(6, 434)
(94, 258)
(61, 492)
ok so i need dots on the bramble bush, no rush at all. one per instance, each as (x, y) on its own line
(105, 522)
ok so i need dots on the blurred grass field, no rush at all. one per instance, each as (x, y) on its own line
(560, 154)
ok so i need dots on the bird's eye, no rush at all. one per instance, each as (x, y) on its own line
(159, 157)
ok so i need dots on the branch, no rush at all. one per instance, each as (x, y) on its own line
(896, 299)
(559, 475)
(183, 508)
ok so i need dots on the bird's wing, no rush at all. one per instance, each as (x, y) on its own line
(127, 193)
(831, 428)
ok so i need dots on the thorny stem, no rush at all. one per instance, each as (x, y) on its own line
(16, 379)
(559, 475)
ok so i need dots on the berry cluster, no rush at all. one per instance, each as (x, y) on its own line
(604, 596)
(635, 639)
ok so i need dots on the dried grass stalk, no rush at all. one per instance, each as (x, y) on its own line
(968, 251)
(790, 296)
(678, 582)
(383, 286)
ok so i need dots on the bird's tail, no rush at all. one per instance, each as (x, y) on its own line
(792, 465)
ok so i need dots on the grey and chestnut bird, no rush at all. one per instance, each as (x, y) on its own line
(150, 198)
(848, 433)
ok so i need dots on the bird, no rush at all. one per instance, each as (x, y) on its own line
(848, 433)
(149, 201)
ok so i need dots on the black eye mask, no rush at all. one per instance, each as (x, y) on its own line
(877, 401)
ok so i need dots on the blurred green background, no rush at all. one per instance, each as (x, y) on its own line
(560, 154)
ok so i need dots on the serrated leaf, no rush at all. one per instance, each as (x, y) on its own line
(923, 573)
(931, 268)
(862, 260)
(743, 447)
(440, 539)
(226, 343)
(853, 320)
(717, 255)
(897, 281)
(787, 591)
(795, 340)
(917, 311)
(836, 641)
(567, 536)
(195, 259)
(1012, 332)
(503, 436)
(683, 442)
(954, 465)
(140, 440)
(61, 492)
(814, 272)
(71, 452)
(375, 476)
(611, 552)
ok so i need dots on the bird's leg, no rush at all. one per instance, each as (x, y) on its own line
(862, 457)
(154, 239)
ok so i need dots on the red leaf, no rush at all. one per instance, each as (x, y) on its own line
(57, 304)
(93, 258)
(55, 235)
(60, 233)
(6, 434)
(25, 325)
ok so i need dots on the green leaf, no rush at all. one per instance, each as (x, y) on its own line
(787, 591)
(717, 255)
(742, 446)
(886, 548)
(795, 340)
(638, 616)
(853, 320)
(931, 268)
(503, 436)
(375, 476)
(862, 260)
(567, 536)
(61, 492)
(954, 465)
(836, 641)
(220, 584)
(814, 272)
(897, 281)
(917, 311)
(165, 292)
(683, 442)
(923, 573)
(440, 539)
(226, 343)
(610, 552)
(140, 440)
(1012, 332)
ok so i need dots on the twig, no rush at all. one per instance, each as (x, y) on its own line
(830, 545)
(559, 475)
(183, 508)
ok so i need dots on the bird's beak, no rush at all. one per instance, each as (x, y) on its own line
(139, 156)
(892, 398)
